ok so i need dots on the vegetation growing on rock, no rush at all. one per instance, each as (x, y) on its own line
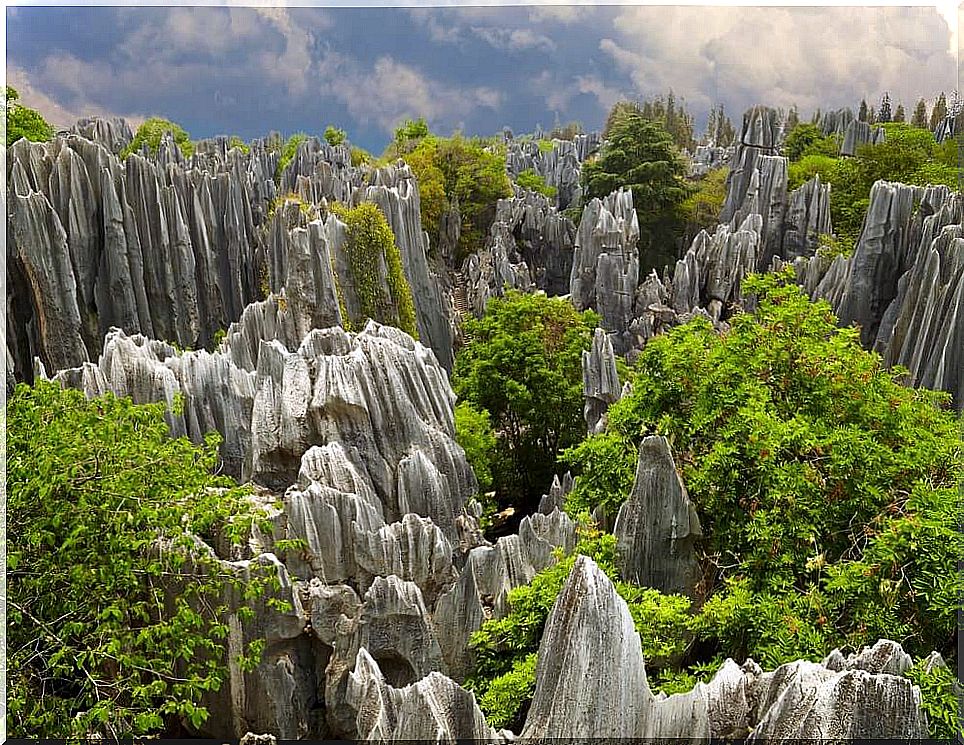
(24, 122)
(152, 131)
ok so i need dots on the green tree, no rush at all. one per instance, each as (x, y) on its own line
(862, 113)
(96, 643)
(529, 179)
(823, 485)
(939, 112)
(920, 115)
(884, 115)
(899, 113)
(151, 132)
(408, 135)
(807, 139)
(371, 245)
(640, 155)
(473, 431)
(463, 172)
(288, 152)
(702, 208)
(335, 136)
(23, 122)
(793, 118)
(523, 365)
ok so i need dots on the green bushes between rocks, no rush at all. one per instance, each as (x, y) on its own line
(529, 179)
(523, 366)
(826, 489)
(370, 243)
(23, 122)
(96, 646)
(151, 132)
(505, 649)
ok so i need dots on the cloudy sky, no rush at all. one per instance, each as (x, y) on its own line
(249, 70)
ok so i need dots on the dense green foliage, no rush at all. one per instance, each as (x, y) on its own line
(671, 115)
(473, 431)
(908, 154)
(371, 245)
(23, 122)
(288, 152)
(151, 132)
(529, 179)
(825, 487)
(639, 155)
(505, 649)
(95, 644)
(335, 136)
(408, 135)
(523, 365)
(458, 172)
(235, 141)
(807, 139)
(701, 209)
(942, 699)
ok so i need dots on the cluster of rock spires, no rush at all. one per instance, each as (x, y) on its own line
(559, 167)
(177, 248)
(367, 632)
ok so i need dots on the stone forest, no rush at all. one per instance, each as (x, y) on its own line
(631, 433)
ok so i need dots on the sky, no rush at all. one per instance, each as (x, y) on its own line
(250, 70)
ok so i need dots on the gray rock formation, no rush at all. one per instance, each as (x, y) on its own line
(555, 499)
(560, 168)
(591, 683)
(529, 247)
(605, 267)
(836, 122)
(708, 158)
(860, 133)
(807, 217)
(112, 133)
(435, 709)
(600, 381)
(657, 527)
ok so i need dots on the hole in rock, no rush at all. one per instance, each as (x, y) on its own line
(397, 671)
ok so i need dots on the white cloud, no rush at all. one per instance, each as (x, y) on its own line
(390, 91)
(780, 56)
(53, 111)
(514, 39)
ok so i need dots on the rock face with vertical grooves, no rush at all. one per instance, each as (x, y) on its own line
(435, 709)
(807, 217)
(657, 527)
(176, 248)
(605, 267)
(600, 381)
(560, 168)
(859, 133)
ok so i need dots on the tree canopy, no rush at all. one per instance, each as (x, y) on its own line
(639, 154)
(151, 132)
(825, 487)
(23, 122)
(95, 488)
(523, 366)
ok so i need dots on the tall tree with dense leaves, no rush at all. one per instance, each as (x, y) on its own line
(639, 155)
(919, 119)
(884, 115)
(899, 113)
(23, 122)
(523, 366)
(939, 112)
(862, 113)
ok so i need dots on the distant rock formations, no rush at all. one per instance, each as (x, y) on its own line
(559, 167)
(176, 248)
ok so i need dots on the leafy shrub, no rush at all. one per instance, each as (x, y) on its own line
(151, 132)
(288, 152)
(823, 485)
(701, 209)
(335, 136)
(523, 365)
(809, 166)
(360, 156)
(237, 142)
(807, 139)
(371, 242)
(940, 699)
(94, 485)
(459, 171)
(529, 179)
(23, 122)
(473, 431)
